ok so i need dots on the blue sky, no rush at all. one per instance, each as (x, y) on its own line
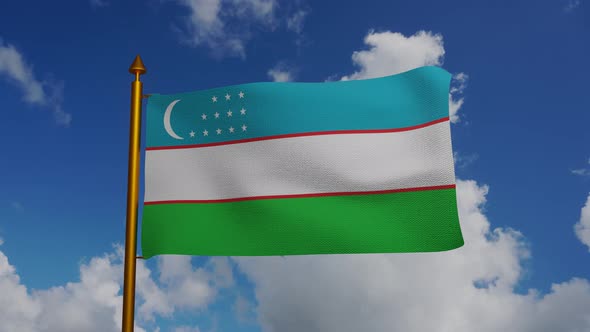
(520, 136)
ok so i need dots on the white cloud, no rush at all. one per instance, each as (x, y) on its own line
(282, 72)
(581, 171)
(582, 227)
(467, 289)
(584, 171)
(14, 68)
(263, 10)
(155, 299)
(280, 75)
(94, 302)
(17, 309)
(205, 27)
(244, 310)
(456, 99)
(222, 272)
(464, 160)
(180, 278)
(223, 25)
(295, 21)
(391, 53)
(572, 5)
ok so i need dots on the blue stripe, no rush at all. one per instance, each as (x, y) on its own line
(404, 100)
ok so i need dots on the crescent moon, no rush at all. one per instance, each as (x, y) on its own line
(167, 125)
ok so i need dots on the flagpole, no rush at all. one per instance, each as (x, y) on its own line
(137, 68)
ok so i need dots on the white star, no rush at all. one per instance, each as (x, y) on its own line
(216, 115)
(192, 133)
(244, 127)
(204, 116)
(218, 131)
(231, 129)
(229, 113)
(205, 132)
(227, 96)
(241, 94)
(243, 111)
(214, 98)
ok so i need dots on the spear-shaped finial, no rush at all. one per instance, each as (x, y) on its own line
(137, 66)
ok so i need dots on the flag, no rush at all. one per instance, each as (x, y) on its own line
(302, 168)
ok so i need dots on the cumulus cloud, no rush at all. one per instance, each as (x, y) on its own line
(467, 289)
(45, 94)
(17, 309)
(181, 278)
(280, 74)
(391, 53)
(582, 227)
(94, 302)
(223, 25)
(177, 279)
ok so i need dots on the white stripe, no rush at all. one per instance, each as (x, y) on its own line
(303, 165)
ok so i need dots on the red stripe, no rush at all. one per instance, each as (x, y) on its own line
(347, 193)
(317, 133)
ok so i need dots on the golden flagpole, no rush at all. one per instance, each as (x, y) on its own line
(137, 68)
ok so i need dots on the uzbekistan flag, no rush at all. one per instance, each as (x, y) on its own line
(302, 168)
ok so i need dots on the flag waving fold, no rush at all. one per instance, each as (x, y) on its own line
(302, 168)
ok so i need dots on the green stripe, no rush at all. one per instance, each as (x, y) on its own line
(418, 221)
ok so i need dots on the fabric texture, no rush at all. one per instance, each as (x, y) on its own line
(302, 168)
